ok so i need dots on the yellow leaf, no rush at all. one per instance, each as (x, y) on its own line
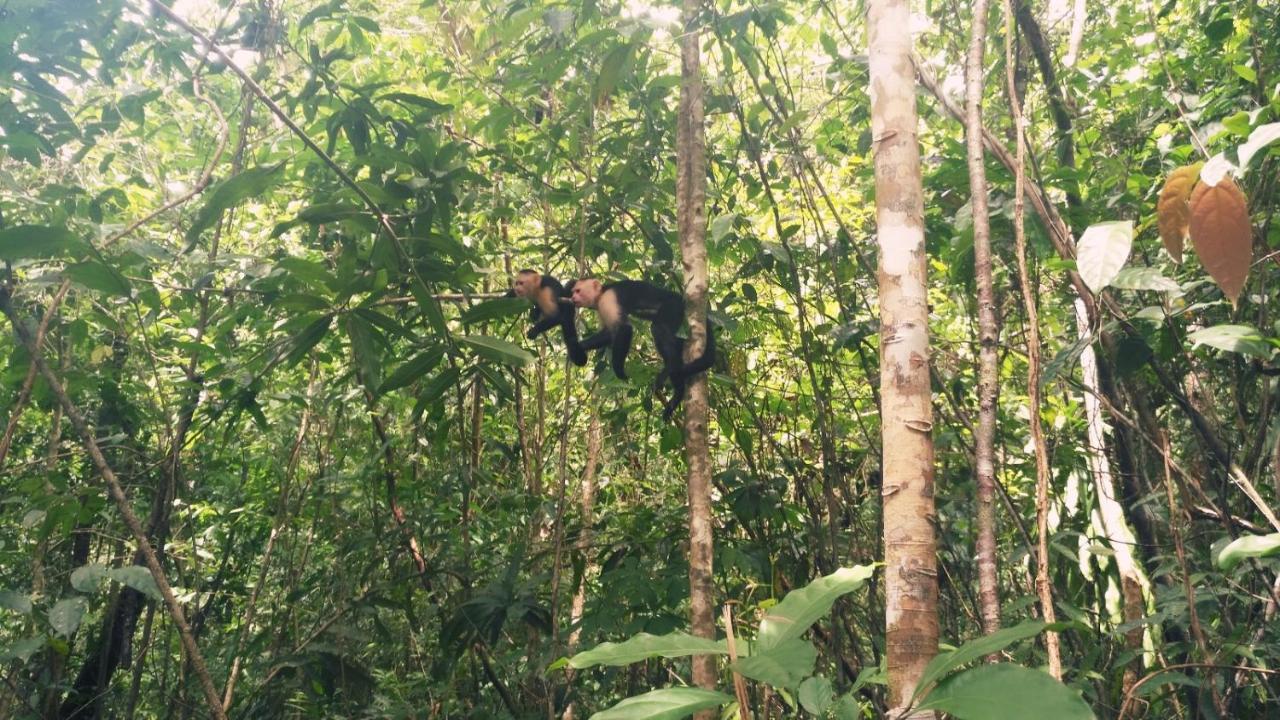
(1222, 234)
(1173, 214)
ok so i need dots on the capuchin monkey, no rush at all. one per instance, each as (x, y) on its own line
(551, 307)
(664, 309)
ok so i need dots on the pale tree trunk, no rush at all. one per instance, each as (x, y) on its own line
(1079, 14)
(988, 330)
(1120, 538)
(911, 579)
(691, 181)
(584, 542)
(1043, 587)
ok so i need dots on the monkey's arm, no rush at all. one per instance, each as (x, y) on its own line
(597, 341)
(621, 346)
(543, 324)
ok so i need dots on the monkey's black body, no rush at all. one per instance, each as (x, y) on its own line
(664, 310)
(554, 295)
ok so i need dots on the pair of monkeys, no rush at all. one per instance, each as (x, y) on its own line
(555, 304)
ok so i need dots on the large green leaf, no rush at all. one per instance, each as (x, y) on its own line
(816, 695)
(421, 364)
(496, 308)
(22, 649)
(645, 646)
(37, 241)
(801, 608)
(1006, 692)
(1144, 278)
(137, 577)
(665, 704)
(783, 666)
(944, 663)
(97, 276)
(89, 578)
(15, 601)
(229, 193)
(1102, 251)
(1238, 550)
(302, 343)
(65, 616)
(1242, 339)
(499, 350)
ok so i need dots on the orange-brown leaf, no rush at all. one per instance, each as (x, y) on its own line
(1222, 234)
(1173, 214)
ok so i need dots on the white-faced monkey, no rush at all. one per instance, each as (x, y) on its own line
(664, 310)
(551, 307)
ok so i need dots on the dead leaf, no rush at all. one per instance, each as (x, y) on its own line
(1173, 214)
(1222, 234)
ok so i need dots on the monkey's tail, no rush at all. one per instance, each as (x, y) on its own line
(706, 360)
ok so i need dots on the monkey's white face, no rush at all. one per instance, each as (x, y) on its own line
(586, 292)
(526, 284)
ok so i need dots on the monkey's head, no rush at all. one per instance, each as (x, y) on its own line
(586, 292)
(526, 283)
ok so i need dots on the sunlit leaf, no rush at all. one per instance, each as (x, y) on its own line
(499, 350)
(665, 704)
(23, 242)
(645, 646)
(1144, 278)
(89, 578)
(783, 665)
(137, 577)
(1103, 249)
(1242, 339)
(1248, 546)
(815, 694)
(229, 193)
(65, 616)
(804, 606)
(15, 601)
(944, 663)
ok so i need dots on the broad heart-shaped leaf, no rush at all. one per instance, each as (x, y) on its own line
(137, 577)
(1248, 546)
(815, 694)
(645, 646)
(496, 308)
(22, 649)
(37, 241)
(1144, 278)
(15, 601)
(228, 194)
(1102, 251)
(421, 364)
(1222, 234)
(783, 666)
(802, 608)
(65, 616)
(944, 663)
(89, 578)
(665, 704)
(499, 350)
(1242, 339)
(1006, 692)
(1173, 214)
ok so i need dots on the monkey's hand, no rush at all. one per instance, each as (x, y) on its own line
(532, 334)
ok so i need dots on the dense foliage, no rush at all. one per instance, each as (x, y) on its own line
(265, 254)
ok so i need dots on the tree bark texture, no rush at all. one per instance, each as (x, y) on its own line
(910, 548)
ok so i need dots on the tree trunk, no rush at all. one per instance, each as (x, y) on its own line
(691, 180)
(911, 580)
(988, 329)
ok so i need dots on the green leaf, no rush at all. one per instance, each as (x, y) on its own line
(364, 345)
(435, 389)
(66, 615)
(491, 309)
(89, 578)
(22, 649)
(1065, 359)
(137, 577)
(802, 608)
(499, 350)
(981, 647)
(847, 708)
(307, 339)
(1246, 547)
(421, 364)
(36, 241)
(15, 601)
(783, 666)
(645, 646)
(722, 225)
(1261, 137)
(228, 194)
(1144, 278)
(97, 276)
(1006, 692)
(1102, 251)
(611, 72)
(428, 106)
(665, 704)
(816, 695)
(1242, 339)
